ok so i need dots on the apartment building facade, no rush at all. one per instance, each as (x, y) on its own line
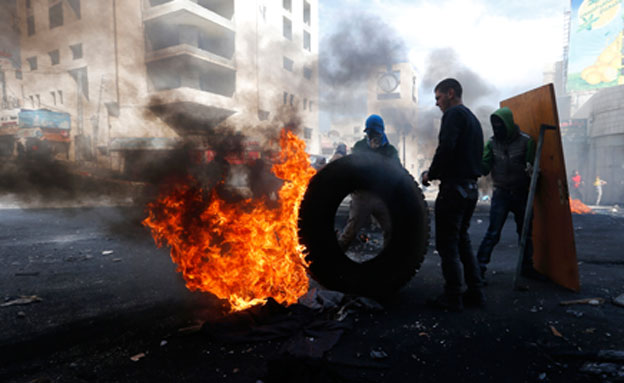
(126, 70)
(393, 94)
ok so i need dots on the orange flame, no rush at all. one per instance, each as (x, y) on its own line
(244, 252)
(578, 207)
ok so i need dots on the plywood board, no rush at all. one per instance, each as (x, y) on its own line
(553, 234)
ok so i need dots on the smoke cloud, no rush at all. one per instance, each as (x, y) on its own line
(444, 63)
(358, 46)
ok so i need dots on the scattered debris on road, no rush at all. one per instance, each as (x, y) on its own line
(619, 301)
(555, 332)
(585, 301)
(23, 300)
(137, 357)
(378, 354)
(604, 370)
(107, 252)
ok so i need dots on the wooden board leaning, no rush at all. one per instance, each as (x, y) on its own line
(554, 250)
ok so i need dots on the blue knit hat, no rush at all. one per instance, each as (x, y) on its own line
(375, 123)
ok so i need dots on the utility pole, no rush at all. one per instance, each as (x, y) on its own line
(5, 103)
(404, 161)
(79, 139)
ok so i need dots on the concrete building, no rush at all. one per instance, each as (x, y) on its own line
(591, 124)
(347, 130)
(127, 70)
(10, 75)
(393, 94)
(598, 149)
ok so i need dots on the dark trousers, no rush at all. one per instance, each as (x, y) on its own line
(576, 193)
(453, 210)
(503, 202)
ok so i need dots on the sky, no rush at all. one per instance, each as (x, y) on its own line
(506, 43)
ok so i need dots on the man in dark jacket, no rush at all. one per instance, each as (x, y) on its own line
(509, 156)
(363, 203)
(457, 164)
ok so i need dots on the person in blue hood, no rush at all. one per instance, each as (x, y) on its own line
(376, 140)
(363, 203)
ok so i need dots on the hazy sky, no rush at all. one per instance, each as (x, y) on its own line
(507, 43)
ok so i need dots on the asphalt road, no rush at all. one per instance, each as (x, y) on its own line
(105, 294)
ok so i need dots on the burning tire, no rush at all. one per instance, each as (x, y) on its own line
(400, 257)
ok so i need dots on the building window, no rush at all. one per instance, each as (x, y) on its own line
(292, 99)
(53, 94)
(288, 64)
(305, 103)
(28, 5)
(287, 28)
(38, 100)
(32, 62)
(75, 5)
(306, 13)
(32, 102)
(307, 44)
(287, 4)
(263, 115)
(307, 133)
(285, 98)
(262, 11)
(60, 97)
(30, 25)
(56, 15)
(54, 57)
(18, 74)
(76, 51)
(310, 106)
(307, 73)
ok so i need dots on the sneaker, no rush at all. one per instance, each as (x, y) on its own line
(447, 302)
(474, 298)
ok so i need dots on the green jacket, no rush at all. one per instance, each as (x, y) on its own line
(508, 160)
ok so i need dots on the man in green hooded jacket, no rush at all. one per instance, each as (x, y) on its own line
(508, 156)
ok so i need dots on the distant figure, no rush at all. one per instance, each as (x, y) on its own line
(598, 184)
(341, 151)
(577, 181)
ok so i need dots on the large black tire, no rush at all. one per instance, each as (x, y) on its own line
(400, 258)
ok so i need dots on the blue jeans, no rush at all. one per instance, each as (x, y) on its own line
(453, 211)
(503, 202)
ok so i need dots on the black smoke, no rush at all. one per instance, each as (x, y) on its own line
(357, 47)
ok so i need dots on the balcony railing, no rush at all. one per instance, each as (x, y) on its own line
(224, 8)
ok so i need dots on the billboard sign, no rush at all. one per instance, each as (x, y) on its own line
(43, 118)
(595, 55)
